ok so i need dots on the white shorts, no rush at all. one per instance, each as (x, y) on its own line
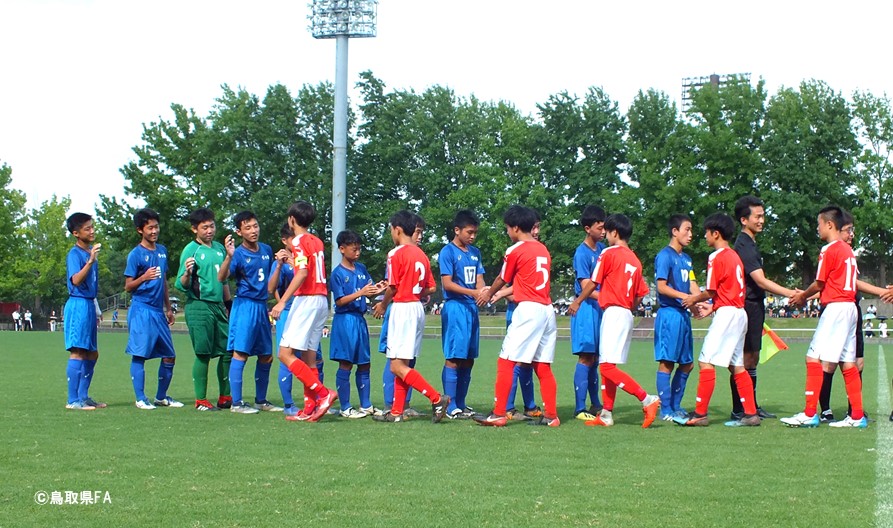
(615, 335)
(306, 319)
(724, 342)
(531, 335)
(406, 322)
(835, 334)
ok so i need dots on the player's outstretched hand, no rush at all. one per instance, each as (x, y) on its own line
(369, 290)
(483, 296)
(798, 299)
(689, 301)
(572, 309)
(378, 311)
(229, 244)
(888, 296)
(277, 310)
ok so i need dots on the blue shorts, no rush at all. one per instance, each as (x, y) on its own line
(461, 330)
(672, 336)
(349, 339)
(509, 310)
(150, 336)
(80, 324)
(383, 336)
(585, 328)
(249, 328)
(280, 324)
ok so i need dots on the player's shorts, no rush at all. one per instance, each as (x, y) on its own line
(349, 339)
(585, 328)
(724, 343)
(461, 330)
(150, 335)
(531, 335)
(672, 336)
(249, 328)
(616, 333)
(383, 335)
(306, 319)
(509, 311)
(860, 339)
(280, 324)
(756, 316)
(835, 334)
(80, 324)
(208, 328)
(405, 327)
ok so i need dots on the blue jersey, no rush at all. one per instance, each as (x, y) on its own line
(139, 261)
(463, 266)
(285, 277)
(585, 259)
(347, 282)
(675, 268)
(251, 271)
(75, 262)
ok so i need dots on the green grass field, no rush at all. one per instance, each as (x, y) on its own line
(179, 467)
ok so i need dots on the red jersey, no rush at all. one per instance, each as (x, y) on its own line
(410, 271)
(527, 265)
(619, 272)
(838, 270)
(309, 254)
(725, 277)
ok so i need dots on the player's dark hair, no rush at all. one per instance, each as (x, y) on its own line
(286, 231)
(676, 221)
(465, 218)
(77, 221)
(620, 223)
(720, 223)
(592, 214)
(848, 219)
(242, 217)
(142, 217)
(348, 238)
(303, 213)
(200, 216)
(405, 220)
(524, 218)
(833, 214)
(419, 222)
(743, 205)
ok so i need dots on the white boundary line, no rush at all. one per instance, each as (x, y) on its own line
(884, 472)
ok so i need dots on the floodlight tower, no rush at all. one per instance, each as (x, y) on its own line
(341, 20)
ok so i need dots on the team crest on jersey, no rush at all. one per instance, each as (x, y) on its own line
(202, 257)
(248, 260)
(147, 258)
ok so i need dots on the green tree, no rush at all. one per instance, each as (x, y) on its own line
(12, 218)
(41, 265)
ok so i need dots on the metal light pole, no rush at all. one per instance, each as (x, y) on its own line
(341, 20)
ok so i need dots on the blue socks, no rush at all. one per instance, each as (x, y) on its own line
(235, 379)
(261, 381)
(138, 377)
(462, 387)
(525, 380)
(387, 382)
(165, 375)
(450, 378)
(86, 379)
(595, 388)
(581, 387)
(364, 389)
(664, 392)
(678, 388)
(342, 385)
(285, 381)
(73, 373)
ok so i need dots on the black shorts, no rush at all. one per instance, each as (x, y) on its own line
(756, 316)
(860, 338)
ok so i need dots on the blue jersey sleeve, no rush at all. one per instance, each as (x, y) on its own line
(234, 263)
(339, 285)
(132, 269)
(447, 260)
(73, 264)
(662, 266)
(582, 263)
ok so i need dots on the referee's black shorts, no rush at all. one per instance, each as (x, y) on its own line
(756, 316)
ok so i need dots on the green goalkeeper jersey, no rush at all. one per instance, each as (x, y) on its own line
(203, 283)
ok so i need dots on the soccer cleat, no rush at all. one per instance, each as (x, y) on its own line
(370, 411)
(459, 414)
(667, 417)
(439, 409)
(547, 422)
(290, 410)
(801, 420)
(90, 402)
(352, 413)
(514, 414)
(738, 415)
(225, 402)
(79, 406)
(205, 405)
(144, 405)
(490, 420)
(334, 411)
(752, 420)
(264, 405)
(410, 412)
(861, 423)
(650, 407)
(388, 417)
(243, 408)
(585, 416)
(693, 419)
(602, 419)
(595, 409)
(535, 412)
(381, 412)
(322, 405)
(299, 416)
(167, 402)
(765, 414)
(826, 417)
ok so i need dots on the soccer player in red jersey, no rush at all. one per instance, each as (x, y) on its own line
(307, 316)
(530, 338)
(834, 341)
(724, 343)
(619, 272)
(409, 279)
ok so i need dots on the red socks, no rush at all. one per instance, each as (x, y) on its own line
(307, 376)
(745, 392)
(623, 380)
(814, 375)
(399, 396)
(548, 388)
(505, 372)
(706, 384)
(416, 381)
(854, 392)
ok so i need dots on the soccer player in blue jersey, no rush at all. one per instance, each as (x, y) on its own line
(351, 284)
(80, 314)
(462, 276)
(586, 322)
(150, 315)
(672, 328)
(250, 264)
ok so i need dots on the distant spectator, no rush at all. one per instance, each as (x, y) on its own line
(53, 321)
(868, 329)
(17, 319)
(27, 321)
(882, 327)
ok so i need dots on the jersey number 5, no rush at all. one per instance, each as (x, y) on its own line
(540, 268)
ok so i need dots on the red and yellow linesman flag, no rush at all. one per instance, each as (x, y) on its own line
(771, 344)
